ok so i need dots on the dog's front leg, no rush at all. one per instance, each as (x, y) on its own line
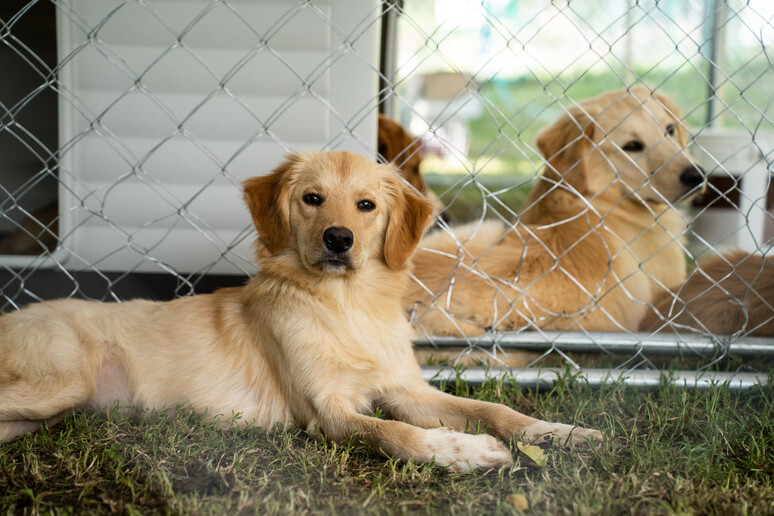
(427, 407)
(457, 451)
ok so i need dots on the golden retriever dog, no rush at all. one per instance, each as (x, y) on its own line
(727, 294)
(599, 238)
(317, 338)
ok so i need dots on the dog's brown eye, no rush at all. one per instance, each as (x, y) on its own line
(633, 146)
(365, 206)
(671, 129)
(312, 199)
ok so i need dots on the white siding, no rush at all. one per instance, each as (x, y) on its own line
(153, 148)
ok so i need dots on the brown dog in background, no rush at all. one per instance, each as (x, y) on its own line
(726, 294)
(597, 242)
(317, 338)
(397, 146)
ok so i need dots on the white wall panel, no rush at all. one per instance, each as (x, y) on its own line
(166, 106)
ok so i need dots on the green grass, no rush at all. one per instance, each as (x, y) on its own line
(666, 451)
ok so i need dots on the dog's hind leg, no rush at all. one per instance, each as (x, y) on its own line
(10, 430)
(46, 368)
(39, 399)
(26, 405)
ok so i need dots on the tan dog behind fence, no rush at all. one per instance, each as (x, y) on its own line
(317, 338)
(598, 239)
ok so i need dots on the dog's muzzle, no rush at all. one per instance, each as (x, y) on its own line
(692, 177)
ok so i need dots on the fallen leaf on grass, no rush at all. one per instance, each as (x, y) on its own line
(518, 500)
(535, 453)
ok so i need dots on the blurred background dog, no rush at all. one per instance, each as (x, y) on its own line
(725, 294)
(396, 145)
(598, 238)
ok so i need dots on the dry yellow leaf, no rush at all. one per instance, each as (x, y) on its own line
(518, 500)
(535, 453)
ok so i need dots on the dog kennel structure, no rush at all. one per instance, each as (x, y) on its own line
(126, 127)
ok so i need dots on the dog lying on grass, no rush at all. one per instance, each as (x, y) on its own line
(597, 242)
(317, 338)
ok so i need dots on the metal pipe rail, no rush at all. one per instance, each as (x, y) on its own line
(546, 377)
(612, 343)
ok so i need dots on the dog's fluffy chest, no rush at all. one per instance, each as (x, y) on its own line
(356, 333)
(346, 343)
(654, 243)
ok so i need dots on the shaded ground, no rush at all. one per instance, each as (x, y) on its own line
(666, 451)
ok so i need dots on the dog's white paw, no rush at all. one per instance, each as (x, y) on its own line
(465, 452)
(566, 435)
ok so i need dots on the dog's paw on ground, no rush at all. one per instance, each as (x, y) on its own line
(559, 433)
(462, 453)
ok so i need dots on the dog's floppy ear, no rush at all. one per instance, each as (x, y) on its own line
(409, 217)
(564, 145)
(268, 199)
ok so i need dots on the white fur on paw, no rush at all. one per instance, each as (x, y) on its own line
(566, 435)
(464, 452)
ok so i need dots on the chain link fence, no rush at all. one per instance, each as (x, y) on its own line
(126, 128)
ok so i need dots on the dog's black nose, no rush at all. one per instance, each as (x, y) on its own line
(338, 240)
(692, 176)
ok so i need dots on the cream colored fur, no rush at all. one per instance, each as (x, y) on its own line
(598, 241)
(315, 339)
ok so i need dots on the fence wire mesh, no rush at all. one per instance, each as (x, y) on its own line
(127, 126)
